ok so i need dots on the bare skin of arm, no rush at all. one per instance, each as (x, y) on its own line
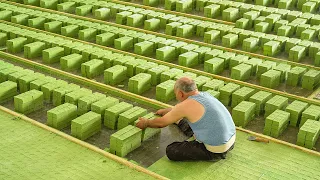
(162, 112)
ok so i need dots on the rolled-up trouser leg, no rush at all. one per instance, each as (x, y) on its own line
(185, 128)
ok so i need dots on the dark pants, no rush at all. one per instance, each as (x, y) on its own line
(191, 150)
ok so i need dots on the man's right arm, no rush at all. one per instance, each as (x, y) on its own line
(162, 112)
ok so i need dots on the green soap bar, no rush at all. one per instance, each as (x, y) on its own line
(121, 18)
(52, 55)
(201, 53)
(14, 77)
(166, 53)
(16, 45)
(58, 95)
(214, 65)
(170, 74)
(295, 76)
(68, 7)
(86, 125)
(149, 132)
(101, 105)
(28, 102)
(211, 54)
(276, 102)
(112, 114)
(230, 40)
(250, 44)
(151, 2)
(61, 116)
(184, 6)
(71, 62)
(87, 34)
(226, 56)
(260, 98)
(310, 79)
(102, 13)
(70, 31)
(84, 103)
(295, 109)
(83, 10)
(171, 28)
(270, 79)
(230, 14)
(212, 11)
(8, 70)
(108, 60)
(264, 67)
(144, 67)
(92, 68)
(135, 20)
(185, 31)
(106, 39)
(226, 92)
(53, 26)
(240, 95)
(115, 74)
(128, 117)
(214, 84)
(188, 59)
(297, 53)
(37, 22)
(49, 4)
(152, 24)
(33, 50)
(156, 72)
(201, 80)
(241, 72)
(284, 69)
(253, 62)
(185, 74)
(73, 96)
(234, 61)
(243, 113)
(276, 123)
(131, 66)
(5, 15)
(165, 91)
(189, 47)
(8, 90)
(3, 39)
(243, 23)
(144, 48)
(20, 19)
(139, 83)
(49, 87)
(312, 112)
(124, 43)
(24, 81)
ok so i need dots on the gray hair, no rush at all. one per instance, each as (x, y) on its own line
(185, 84)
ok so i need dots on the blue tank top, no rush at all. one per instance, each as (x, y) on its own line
(216, 126)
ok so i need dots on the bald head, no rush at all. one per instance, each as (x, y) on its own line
(185, 84)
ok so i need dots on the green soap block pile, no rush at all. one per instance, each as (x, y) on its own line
(115, 74)
(297, 53)
(48, 88)
(87, 34)
(201, 80)
(144, 48)
(276, 123)
(102, 13)
(101, 105)
(309, 134)
(124, 43)
(188, 59)
(149, 132)
(284, 69)
(143, 68)
(243, 113)
(185, 31)
(92, 68)
(52, 55)
(74, 96)
(128, 117)
(84, 103)
(152, 24)
(295, 76)
(312, 112)
(230, 14)
(211, 36)
(264, 67)
(125, 140)
(14, 77)
(61, 116)
(212, 10)
(250, 44)
(214, 93)
(230, 40)
(33, 50)
(185, 74)
(106, 39)
(121, 17)
(171, 28)
(311, 79)
(156, 72)
(71, 62)
(68, 7)
(234, 61)
(166, 53)
(53, 26)
(295, 109)
(112, 113)
(276, 102)
(215, 65)
(170, 74)
(135, 20)
(241, 72)
(260, 98)
(83, 10)
(86, 125)
(139, 83)
(271, 48)
(240, 95)
(58, 95)
(8, 89)
(270, 79)
(214, 84)
(16, 45)
(24, 81)
(226, 92)
(165, 91)
(28, 102)
(131, 66)
(254, 62)
(70, 31)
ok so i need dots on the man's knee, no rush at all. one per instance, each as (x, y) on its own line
(172, 151)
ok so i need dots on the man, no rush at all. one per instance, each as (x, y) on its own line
(201, 114)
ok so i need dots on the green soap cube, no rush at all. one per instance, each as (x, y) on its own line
(49, 4)
(315, 20)
(212, 11)
(278, 121)
(84, 103)
(243, 23)
(185, 74)
(214, 65)
(73, 96)
(16, 45)
(241, 72)
(317, 59)
(20, 19)
(70, 31)
(253, 62)
(28, 102)
(86, 125)
(250, 44)
(144, 67)
(101, 105)
(14, 77)
(312, 112)
(128, 117)
(3, 39)
(264, 67)
(37, 22)
(300, 28)
(58, 94)
(71, 62)
(5, 15)
(33, 50)
(125, 140)
(88, 34)
(308, 34)
(260, 98)
(24, 81)
(156, 72)
(171, 28)
(291, 43)
(214, 93)
(185, 31)
(262, 27)
(53, 26)
(295, 109)
(178, 45)
(112, 113)
(211, 36)
(292, 15)
(152, 24)
(188, 59)
(297, 53)
(106, 39)
(144, 48)
(251, 15)
(131, 66)
(309, 7)
(8, 90)
(83, 10)
(170, 4)
(68, 7)
(230, 14)
(92, 68)
(151, 2)
(115, 74)
(237, 60)
(284, 69)
(279, 24)
(295, 75)
(240, 95)
(140, 83)
(202, 28)
(61, 116)
(270, 79)
(284, 4)
(135, 20)
(313, 50)
(213, 85)
(243, 113)
(49, 87)
(124, 43)
(211, 54)
(201, 80)
(276, 102)
(271, 48)
(121, 18)
(245, 8)
(226, 92)
(244, 35)
(184, 6)
(284, 31)
(166, 53)
(170, 74)
(102, 13)
(230, 40)
(311, 79)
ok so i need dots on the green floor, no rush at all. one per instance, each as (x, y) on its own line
(248, 160)
(29, 152)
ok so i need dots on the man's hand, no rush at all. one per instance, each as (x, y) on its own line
(162, 112)
(143, 123)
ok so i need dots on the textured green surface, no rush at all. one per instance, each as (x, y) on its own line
(29, 152)
(248, 160)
